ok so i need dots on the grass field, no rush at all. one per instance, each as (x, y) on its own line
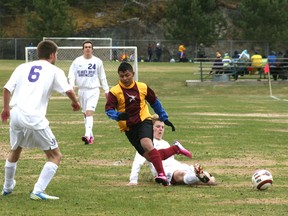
(232, 130)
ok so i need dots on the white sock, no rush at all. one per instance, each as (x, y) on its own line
(190, 179)
(10, 170)
(88, 126)
(45, 177)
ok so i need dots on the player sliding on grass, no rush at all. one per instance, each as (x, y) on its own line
(127, 104)
(32, 84)
(177, 172)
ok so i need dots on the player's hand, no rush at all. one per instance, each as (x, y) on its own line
(123, 116)
(5, 115)
(75, 106)
(168, 123)
(132, 184)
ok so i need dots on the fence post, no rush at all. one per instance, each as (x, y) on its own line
(201, 72)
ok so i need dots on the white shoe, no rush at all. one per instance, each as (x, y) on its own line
(10, 190)
(42, 196)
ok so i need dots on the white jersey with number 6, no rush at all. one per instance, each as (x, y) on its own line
(33, 84)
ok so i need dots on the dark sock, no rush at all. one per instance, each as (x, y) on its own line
(156, 160)
(168, 152)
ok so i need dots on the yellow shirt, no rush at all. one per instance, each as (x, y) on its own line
(256, 60)
(181, 48)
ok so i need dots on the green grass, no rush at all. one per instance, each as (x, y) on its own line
(231, 129)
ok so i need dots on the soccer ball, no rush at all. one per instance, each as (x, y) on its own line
(262, 179)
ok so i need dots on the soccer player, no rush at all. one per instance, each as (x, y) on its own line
(177, 172)
(88, 71)
(32, 84)
(127, 104)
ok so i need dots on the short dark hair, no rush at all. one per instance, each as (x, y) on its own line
(46, 48)
(124, 66)
(87, 41)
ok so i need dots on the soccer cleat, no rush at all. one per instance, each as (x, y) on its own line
(9, 191)
(182, 150)
(42, 196)
(91, 140)
(161, 179)
(198, 168)
(85, 140)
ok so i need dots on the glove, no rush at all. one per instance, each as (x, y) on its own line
(168, 123)
(123, 116)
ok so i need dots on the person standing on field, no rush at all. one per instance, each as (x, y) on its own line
(127, 104)
(88, 71)
(32, 84)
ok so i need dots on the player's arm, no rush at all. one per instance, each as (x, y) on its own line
(71, 75)
(6, 109)
(110, 109)
(158, 108)
(136, 166)
(103, 80)
(72, 96)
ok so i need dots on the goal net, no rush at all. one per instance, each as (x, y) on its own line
(77, 41)
(66, 55)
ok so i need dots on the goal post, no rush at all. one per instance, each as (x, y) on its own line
(77, 41)
(66, 55)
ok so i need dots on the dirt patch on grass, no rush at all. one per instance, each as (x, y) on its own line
(4, 149)
(256, 201)
(267, 115)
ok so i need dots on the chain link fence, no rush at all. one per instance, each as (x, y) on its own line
(14, 48)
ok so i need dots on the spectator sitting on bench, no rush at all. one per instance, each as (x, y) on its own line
(256, 64)
(272, 60)
(218, 64)
(226, 63)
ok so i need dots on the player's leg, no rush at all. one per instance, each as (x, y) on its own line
(10, 170)
(89, 137)
(92, 97)
(16, 139)
(184, 174)
(145, 147)
(177, 148)
(48, 171)
(153, 155)
(47, 142)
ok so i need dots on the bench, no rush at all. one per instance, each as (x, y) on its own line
(237, 69)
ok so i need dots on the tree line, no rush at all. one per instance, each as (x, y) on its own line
(184, 20)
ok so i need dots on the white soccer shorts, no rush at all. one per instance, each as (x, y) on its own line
(88, 98)
(43, 139)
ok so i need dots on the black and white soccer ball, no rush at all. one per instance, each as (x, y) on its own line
(262, 179)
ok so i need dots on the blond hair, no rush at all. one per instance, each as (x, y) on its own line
(155, 117)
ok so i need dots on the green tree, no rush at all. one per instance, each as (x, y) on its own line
(263, 19)
(49, 18)
(9, 7)
(194, 21)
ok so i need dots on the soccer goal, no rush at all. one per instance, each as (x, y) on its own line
(77, 41)
(111, 63)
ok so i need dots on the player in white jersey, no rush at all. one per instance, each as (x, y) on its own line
(32, 84)
(177, 172)
(88, 71)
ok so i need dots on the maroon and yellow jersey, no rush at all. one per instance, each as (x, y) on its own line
(132, 100)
